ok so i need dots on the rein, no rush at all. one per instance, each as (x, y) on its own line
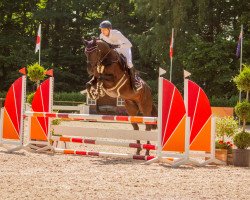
(100, 61)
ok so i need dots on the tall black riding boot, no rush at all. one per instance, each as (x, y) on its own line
(135, 85)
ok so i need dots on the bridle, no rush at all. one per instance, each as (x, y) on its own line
(96, 48)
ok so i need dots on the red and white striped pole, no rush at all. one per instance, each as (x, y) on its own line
(95, 118)
(103, 142)
(103, 154)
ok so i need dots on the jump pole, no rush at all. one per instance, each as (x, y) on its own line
(103, 154)
(103, 142)
(95, 118)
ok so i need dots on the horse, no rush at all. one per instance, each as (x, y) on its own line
(110, 76)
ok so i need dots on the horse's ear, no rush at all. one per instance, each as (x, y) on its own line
(94, 40)
(86, 42)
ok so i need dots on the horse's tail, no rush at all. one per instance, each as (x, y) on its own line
(154, 113)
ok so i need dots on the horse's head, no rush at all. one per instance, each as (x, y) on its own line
(95, 50)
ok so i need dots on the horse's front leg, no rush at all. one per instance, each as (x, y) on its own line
(91, 88)
(90, 83)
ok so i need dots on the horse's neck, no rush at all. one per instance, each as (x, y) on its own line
(111, 57)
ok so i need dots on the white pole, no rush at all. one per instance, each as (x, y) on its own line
(186, 94)
(51, 89)
(171, 59)
(23, 109)
(213, 128)
(187, 136)
(159, 121)
(187, 130)
(171, 64)
(1, 125)
(241, 48)
(40, 35)
(39, 61)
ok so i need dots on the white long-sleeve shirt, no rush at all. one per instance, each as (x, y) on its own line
(117, 38)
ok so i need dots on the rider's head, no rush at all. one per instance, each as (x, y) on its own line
(105, 27)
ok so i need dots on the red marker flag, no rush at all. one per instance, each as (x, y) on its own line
(49, 72)
(23, 71)
(171, 50)
(38, 39)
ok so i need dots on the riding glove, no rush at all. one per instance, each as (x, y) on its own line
(115, 46)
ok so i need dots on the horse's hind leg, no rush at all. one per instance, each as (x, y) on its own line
(132, 110)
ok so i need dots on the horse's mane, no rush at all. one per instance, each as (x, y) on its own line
(110, 45)
(92, 43)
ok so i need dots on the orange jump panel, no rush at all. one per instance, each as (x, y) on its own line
(202, 141)
(9, 130)
(176, 142)
(36, 131)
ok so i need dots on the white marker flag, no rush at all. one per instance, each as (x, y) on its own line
(161, 71)
(186, 74)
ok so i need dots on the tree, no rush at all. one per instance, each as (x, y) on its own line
(242, 109)
(204, 39)
(36, 73)
(15, 39)
(206, 32)
(242, 81)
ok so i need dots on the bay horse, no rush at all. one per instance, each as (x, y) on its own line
(110, 76)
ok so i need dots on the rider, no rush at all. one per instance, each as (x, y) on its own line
(122, 46)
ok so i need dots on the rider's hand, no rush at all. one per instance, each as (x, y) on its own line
(115, 46)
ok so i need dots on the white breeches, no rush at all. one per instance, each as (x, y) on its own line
(127, 53)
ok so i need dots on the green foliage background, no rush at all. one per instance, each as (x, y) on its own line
(242, 140)
(206, 34)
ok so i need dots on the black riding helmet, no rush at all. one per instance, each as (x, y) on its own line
(105, 24)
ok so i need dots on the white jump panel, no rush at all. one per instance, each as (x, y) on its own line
(105, 133)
